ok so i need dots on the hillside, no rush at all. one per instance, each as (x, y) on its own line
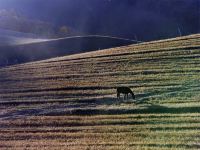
(38, 49)
(70, 102)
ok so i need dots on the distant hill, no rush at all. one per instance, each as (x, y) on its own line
(14, 21)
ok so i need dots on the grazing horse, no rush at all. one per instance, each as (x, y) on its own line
(125, 91)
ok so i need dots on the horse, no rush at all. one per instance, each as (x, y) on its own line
(125, 91)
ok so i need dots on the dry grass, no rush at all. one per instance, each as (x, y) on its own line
(70, 102)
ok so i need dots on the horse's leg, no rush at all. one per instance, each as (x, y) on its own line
(118, 95)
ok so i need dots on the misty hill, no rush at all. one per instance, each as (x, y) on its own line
(16, 22)
(10, 37)
(70, 102)
(12, 33)
(15, 54)
(145, 19)
(12, 20)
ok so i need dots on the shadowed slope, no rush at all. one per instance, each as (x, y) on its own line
(38, 49)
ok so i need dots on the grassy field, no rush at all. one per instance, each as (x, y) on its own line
(70, 102)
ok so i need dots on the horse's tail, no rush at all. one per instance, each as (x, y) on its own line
(118, 95)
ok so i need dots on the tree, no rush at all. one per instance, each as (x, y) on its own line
(64, 30)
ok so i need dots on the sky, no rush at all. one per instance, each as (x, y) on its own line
(144, 20)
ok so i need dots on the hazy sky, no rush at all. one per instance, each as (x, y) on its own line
(146, 19)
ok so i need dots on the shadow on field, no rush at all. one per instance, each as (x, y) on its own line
(95, 106)
(106, 106)
(156, 109)
(57, 107)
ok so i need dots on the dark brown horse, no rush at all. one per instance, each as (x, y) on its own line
(125, 91)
